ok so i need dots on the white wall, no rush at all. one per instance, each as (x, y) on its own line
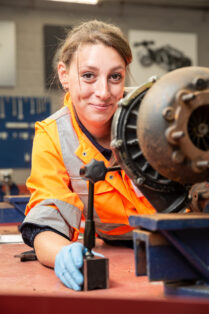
(29, 40)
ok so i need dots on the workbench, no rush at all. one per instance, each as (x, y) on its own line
(29, 287)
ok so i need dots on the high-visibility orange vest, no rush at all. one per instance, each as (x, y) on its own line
(60, 148)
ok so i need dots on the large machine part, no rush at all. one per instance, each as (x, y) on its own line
(160, 136)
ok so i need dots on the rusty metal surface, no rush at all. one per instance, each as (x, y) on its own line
(173, 125)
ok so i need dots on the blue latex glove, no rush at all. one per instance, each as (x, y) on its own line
(68, 262)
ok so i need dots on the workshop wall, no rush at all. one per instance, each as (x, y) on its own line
(30, 23)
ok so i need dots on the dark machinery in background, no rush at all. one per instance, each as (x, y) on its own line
(167, 57)
(160, 137)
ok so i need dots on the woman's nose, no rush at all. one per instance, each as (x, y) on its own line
(102, 89)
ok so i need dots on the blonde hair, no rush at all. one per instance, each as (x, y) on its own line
(94, 32)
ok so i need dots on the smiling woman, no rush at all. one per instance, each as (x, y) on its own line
(95, 87)
(91, 67)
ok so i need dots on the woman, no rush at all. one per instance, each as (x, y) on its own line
(92, 65)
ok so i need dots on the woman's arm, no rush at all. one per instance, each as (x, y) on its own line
(47, 244)
(55, 251)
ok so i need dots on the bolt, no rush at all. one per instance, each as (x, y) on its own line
(177, 135)
(200, 83)
(202, 164)
(202, 129)
(178, 157)
(189, 197)
(140, 181)
(187, 97)
(168, 113)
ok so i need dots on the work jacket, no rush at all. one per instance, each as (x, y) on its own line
(59, 195)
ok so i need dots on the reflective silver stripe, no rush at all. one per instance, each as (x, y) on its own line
(48, 216)
(110, 227)
(70, 213)
(58, 114)
(69, 143)
(125, 236)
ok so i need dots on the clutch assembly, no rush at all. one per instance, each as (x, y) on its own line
(160, 136)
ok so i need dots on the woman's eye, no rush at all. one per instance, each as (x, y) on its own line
(88, 75)
(116, 77)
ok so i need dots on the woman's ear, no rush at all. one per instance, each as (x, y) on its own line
(63, 75)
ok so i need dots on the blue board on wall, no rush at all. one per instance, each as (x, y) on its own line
(17, 119)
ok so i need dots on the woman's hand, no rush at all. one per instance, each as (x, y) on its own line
(68, 263)
(66, 258)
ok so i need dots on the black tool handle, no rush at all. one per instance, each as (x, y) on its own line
(93, 172)
(89, 233)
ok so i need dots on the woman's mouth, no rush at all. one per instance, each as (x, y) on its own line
(100, 106)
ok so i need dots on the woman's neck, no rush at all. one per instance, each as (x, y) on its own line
(101, 134)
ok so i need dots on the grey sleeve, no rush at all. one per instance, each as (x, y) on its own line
(62, 220)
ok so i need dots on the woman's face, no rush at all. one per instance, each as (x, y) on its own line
(95, 80)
